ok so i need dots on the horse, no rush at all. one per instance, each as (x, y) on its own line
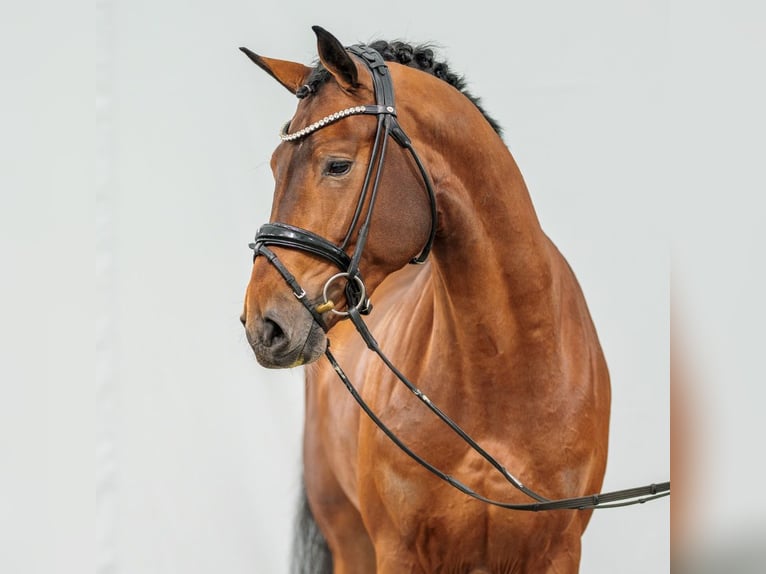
(491, 324)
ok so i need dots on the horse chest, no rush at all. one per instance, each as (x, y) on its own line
(448, 532)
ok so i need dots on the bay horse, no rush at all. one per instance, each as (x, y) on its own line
(492, 326)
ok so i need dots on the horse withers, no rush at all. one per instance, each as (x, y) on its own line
(384, 164)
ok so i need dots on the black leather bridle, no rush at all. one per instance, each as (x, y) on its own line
(283, 235)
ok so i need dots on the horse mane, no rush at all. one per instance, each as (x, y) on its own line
(420, 57)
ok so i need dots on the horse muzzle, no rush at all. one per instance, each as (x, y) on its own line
(282, 339)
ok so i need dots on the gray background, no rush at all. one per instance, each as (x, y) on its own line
(637, 125)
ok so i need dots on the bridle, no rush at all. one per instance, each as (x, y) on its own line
(284, 235)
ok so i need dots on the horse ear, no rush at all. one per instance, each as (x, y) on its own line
(335, 59)
(290, 74)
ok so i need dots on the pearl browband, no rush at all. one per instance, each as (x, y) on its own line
(332, 118)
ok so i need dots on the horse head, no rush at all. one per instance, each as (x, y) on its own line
(356, 205)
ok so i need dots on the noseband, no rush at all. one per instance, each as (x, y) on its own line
(284, 235)
(290, 236)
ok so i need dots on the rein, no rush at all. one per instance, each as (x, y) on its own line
(283, 235)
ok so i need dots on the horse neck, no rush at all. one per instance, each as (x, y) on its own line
(493, 265)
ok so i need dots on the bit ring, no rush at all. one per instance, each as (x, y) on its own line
(360, 284)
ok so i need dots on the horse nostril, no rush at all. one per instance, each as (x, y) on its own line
(243, 320)
(271, 333)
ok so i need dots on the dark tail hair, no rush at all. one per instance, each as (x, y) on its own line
(311, 555)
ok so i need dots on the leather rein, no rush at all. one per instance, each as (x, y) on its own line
(284, 235)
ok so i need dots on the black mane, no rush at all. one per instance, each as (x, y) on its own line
(419, 57)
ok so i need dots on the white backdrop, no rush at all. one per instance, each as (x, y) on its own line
(634, 123)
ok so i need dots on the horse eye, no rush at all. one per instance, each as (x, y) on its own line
(337, 167)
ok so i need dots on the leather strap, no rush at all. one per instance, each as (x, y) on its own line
(613, 499)
(285, 235)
